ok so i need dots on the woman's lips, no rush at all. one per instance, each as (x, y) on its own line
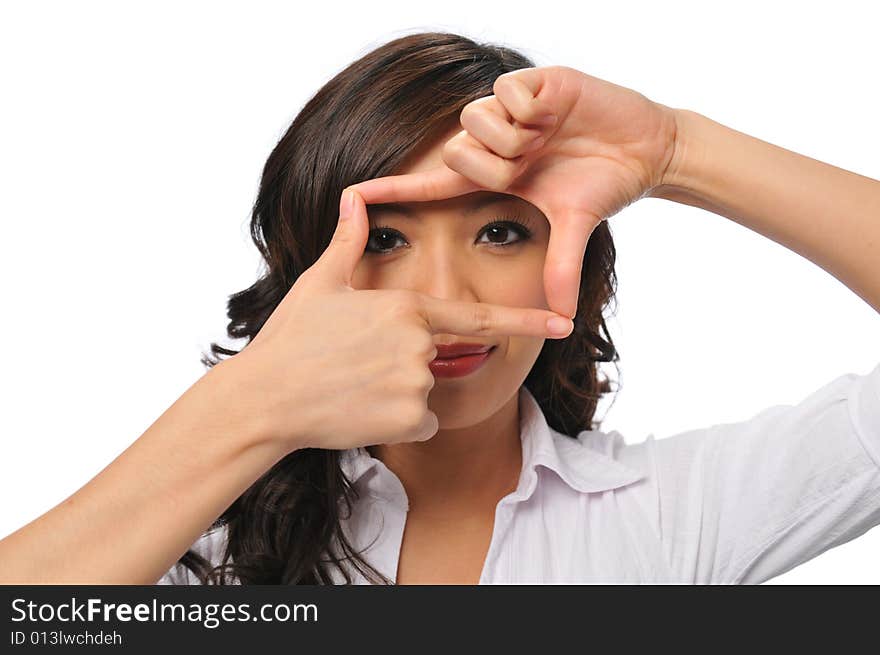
(446, 366)
(445, 351)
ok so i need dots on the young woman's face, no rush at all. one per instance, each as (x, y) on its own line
(467, 249)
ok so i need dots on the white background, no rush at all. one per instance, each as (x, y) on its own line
(133, 137)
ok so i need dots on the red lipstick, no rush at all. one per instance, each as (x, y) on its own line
(459, 359)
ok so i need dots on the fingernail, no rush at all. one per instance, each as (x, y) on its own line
(549, 119)
(346, 204)
(559, 325)
(536, 144)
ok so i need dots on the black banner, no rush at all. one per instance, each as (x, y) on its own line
(236, 619)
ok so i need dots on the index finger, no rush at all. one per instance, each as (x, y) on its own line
(435, 184)
(477, 318)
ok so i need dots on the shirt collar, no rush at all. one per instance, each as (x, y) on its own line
(580, 466)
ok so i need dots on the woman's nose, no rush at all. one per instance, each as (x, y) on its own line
(445, 275)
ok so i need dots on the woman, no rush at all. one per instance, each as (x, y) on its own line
(347, 443)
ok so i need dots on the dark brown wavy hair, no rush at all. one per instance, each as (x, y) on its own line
(362, 124)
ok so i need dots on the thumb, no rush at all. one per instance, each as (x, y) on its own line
(564, 262)
(338, 262)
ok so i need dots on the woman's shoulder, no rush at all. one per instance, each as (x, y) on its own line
(742, 501)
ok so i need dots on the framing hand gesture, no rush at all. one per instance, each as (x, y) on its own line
(577, 147)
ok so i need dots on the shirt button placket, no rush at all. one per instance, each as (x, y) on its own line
(499, 531)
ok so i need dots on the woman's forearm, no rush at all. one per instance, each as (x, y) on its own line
(829, 215)
(135, 518)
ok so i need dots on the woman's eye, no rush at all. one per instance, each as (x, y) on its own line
(499, 233)
(382, 239)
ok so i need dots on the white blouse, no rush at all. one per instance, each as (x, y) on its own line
(732, 503)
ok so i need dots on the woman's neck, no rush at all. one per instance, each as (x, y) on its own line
(459, 471)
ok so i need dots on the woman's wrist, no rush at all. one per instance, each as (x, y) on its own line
(235, 385)
(679, 180)
(824, 213)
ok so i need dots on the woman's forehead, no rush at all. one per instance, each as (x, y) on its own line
(429, 155)
(465, 205)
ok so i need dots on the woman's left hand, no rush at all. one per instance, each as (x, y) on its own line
(608, 147)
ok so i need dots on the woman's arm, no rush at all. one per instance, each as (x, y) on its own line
(133, 520)
(829, 215)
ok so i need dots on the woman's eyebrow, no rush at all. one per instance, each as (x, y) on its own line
(473, 207)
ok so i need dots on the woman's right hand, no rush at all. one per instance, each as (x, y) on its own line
(338, 368)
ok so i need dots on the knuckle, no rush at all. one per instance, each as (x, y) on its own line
(424, 380)
(501, 81)
(509, 149)
(402, 302)
(411, 415)
(454, 149)
(469, 111)
(482, 319)
(423, 343)
(498, 181)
